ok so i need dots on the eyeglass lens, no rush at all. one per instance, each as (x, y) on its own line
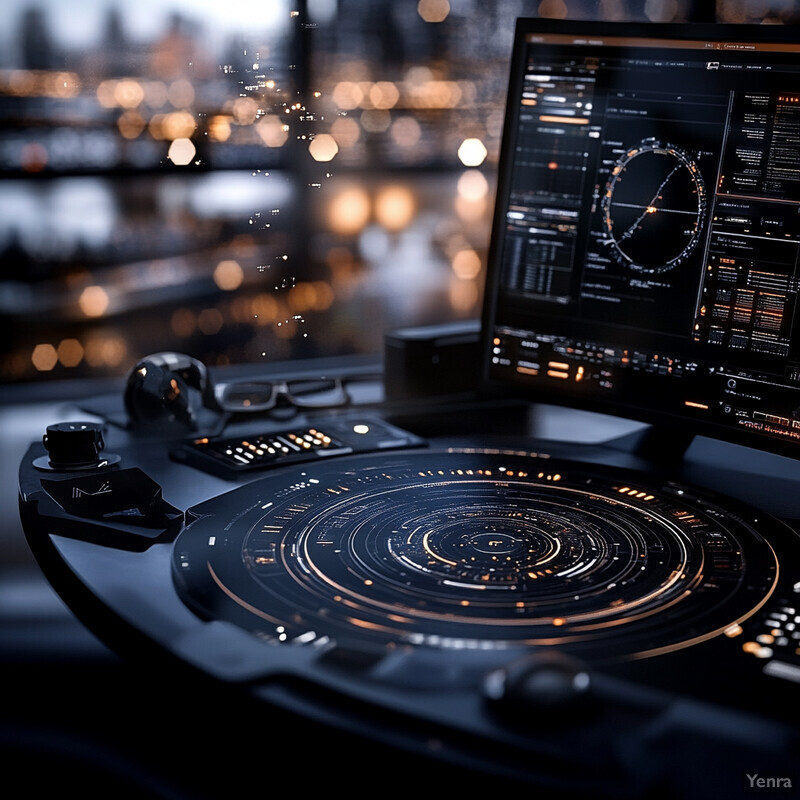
(262, 395)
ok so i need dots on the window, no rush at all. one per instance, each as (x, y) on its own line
(247, 181)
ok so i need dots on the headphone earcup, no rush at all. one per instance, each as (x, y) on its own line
(157, 394)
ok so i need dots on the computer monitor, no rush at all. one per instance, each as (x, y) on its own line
(645, 246)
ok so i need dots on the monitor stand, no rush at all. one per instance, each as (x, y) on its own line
(659, 444)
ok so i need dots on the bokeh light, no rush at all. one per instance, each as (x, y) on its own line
(472, 185)
(349, 211)
(131, 124)
(181, 152)
(228, 275)
(272, 131)
(70, 352)
(44, 357)
(472, 152)
(346, 131)
(323, 147)
(401, 115)
(433, 10)
(210, 321)
(406, 132)
(94, 301)
(466, 264)
(395, 207)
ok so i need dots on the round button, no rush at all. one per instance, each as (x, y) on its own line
(544, 682)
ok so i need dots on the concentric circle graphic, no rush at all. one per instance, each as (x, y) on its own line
(474, 549)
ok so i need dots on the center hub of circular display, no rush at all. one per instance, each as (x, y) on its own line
(497, 544)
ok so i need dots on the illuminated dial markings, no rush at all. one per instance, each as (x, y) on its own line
(654, 207)
(439, 548)
(449, 553)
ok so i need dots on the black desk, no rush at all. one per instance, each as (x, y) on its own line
(77, 710)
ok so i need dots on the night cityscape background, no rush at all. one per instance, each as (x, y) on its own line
(254, 181)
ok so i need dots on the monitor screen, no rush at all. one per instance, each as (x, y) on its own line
(644, 254)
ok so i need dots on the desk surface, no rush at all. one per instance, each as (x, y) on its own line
(42, 644)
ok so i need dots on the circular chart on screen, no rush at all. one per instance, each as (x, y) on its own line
(654, 207)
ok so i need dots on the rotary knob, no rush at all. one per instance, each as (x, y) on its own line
(74, 445)
(550, 683)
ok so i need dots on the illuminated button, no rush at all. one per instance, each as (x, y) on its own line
(757, 650)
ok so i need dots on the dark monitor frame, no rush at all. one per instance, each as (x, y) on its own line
(639, 408)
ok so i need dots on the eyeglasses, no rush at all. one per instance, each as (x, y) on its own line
(176, 373)
(257, 396)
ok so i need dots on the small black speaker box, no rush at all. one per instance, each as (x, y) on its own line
(432, 360)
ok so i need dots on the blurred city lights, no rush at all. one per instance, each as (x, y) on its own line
(181, 152)
(272, 131)
(44, 357)
(472, 196)
(210, 321)
(347, 95)
(245, 110)
(70, 352)
(376, 120)
(472, 185)
(554, 9)
(167, 252)
(94, 301)
(346, 131)
(463, 295)
(323, 147)
(395, 207)
(183, 322)
(384, 94)
(105, 350)
(228, 275)
(466, 264)
(177, 125)
(128, 93)
(131, 124)
(433, 10)
(181, 93)
(219, 128)
(661, 10)
(472, 152)
(349, 211)
(406, 132)
(39, 83)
